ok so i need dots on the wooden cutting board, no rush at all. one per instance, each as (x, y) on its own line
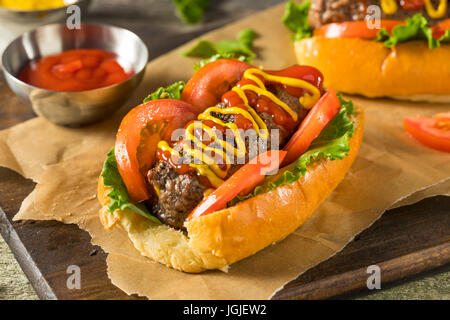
(404, 242)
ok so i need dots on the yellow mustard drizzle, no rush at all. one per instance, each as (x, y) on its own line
(240, 150)
(389, 6)
(202, 168)
(207, 192)
(157, 190)
(208, 167)
(307, 100)
(200, 153)
(32, 4)
(436, 13)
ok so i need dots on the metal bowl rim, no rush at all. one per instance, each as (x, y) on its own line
(5, 69)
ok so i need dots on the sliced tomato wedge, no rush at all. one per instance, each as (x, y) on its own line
(242, 182)
(440, 28)
(207, 85)
(354, 29)
(319, 116)
(137, 138)
(431, 132)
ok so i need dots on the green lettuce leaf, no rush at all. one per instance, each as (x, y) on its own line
(445, 37)
(416, 28)
(295, 18)
(340, 124)
(218, 56)
(119, 199)
(247, 36)
(190, 11)
(240, 48)
(333, 143)
(171, 92)
(202, 49)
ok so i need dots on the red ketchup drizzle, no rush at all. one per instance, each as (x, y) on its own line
(259, 103)
(181, 168)
(166, 156)
(265, 105)
(412, 5)
(306, 73)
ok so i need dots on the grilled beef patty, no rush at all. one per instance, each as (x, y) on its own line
(328, 11)
(180, 193)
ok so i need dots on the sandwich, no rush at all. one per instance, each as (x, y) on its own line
(387, 48)
(209, 172)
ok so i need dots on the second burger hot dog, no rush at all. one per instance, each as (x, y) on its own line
(385, 48)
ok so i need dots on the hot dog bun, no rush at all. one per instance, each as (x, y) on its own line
(216, 240)
(409, 71)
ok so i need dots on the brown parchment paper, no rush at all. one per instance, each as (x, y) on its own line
(391, 170)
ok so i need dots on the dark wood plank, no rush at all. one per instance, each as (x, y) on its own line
(44, 249)
(403, 242)
(12, 110)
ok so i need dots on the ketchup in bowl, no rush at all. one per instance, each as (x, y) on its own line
(75, 70)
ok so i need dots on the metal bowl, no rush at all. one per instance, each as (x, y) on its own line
(79, 107)
(53, 15)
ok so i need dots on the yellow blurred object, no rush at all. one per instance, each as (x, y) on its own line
(32, 4)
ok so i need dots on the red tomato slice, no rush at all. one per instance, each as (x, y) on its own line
(241, 182)
(207, 85)
(318, 117)
(354, 29)
(137, 138)
(431, 132)
(440, 28)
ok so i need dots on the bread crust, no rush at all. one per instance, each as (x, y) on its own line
(409, 71)
(216, 240)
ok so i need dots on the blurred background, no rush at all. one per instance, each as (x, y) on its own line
(155, 21)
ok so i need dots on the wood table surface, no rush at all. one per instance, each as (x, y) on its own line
(404, 242)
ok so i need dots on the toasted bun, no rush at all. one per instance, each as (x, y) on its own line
(409, 71)
(216, 240)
